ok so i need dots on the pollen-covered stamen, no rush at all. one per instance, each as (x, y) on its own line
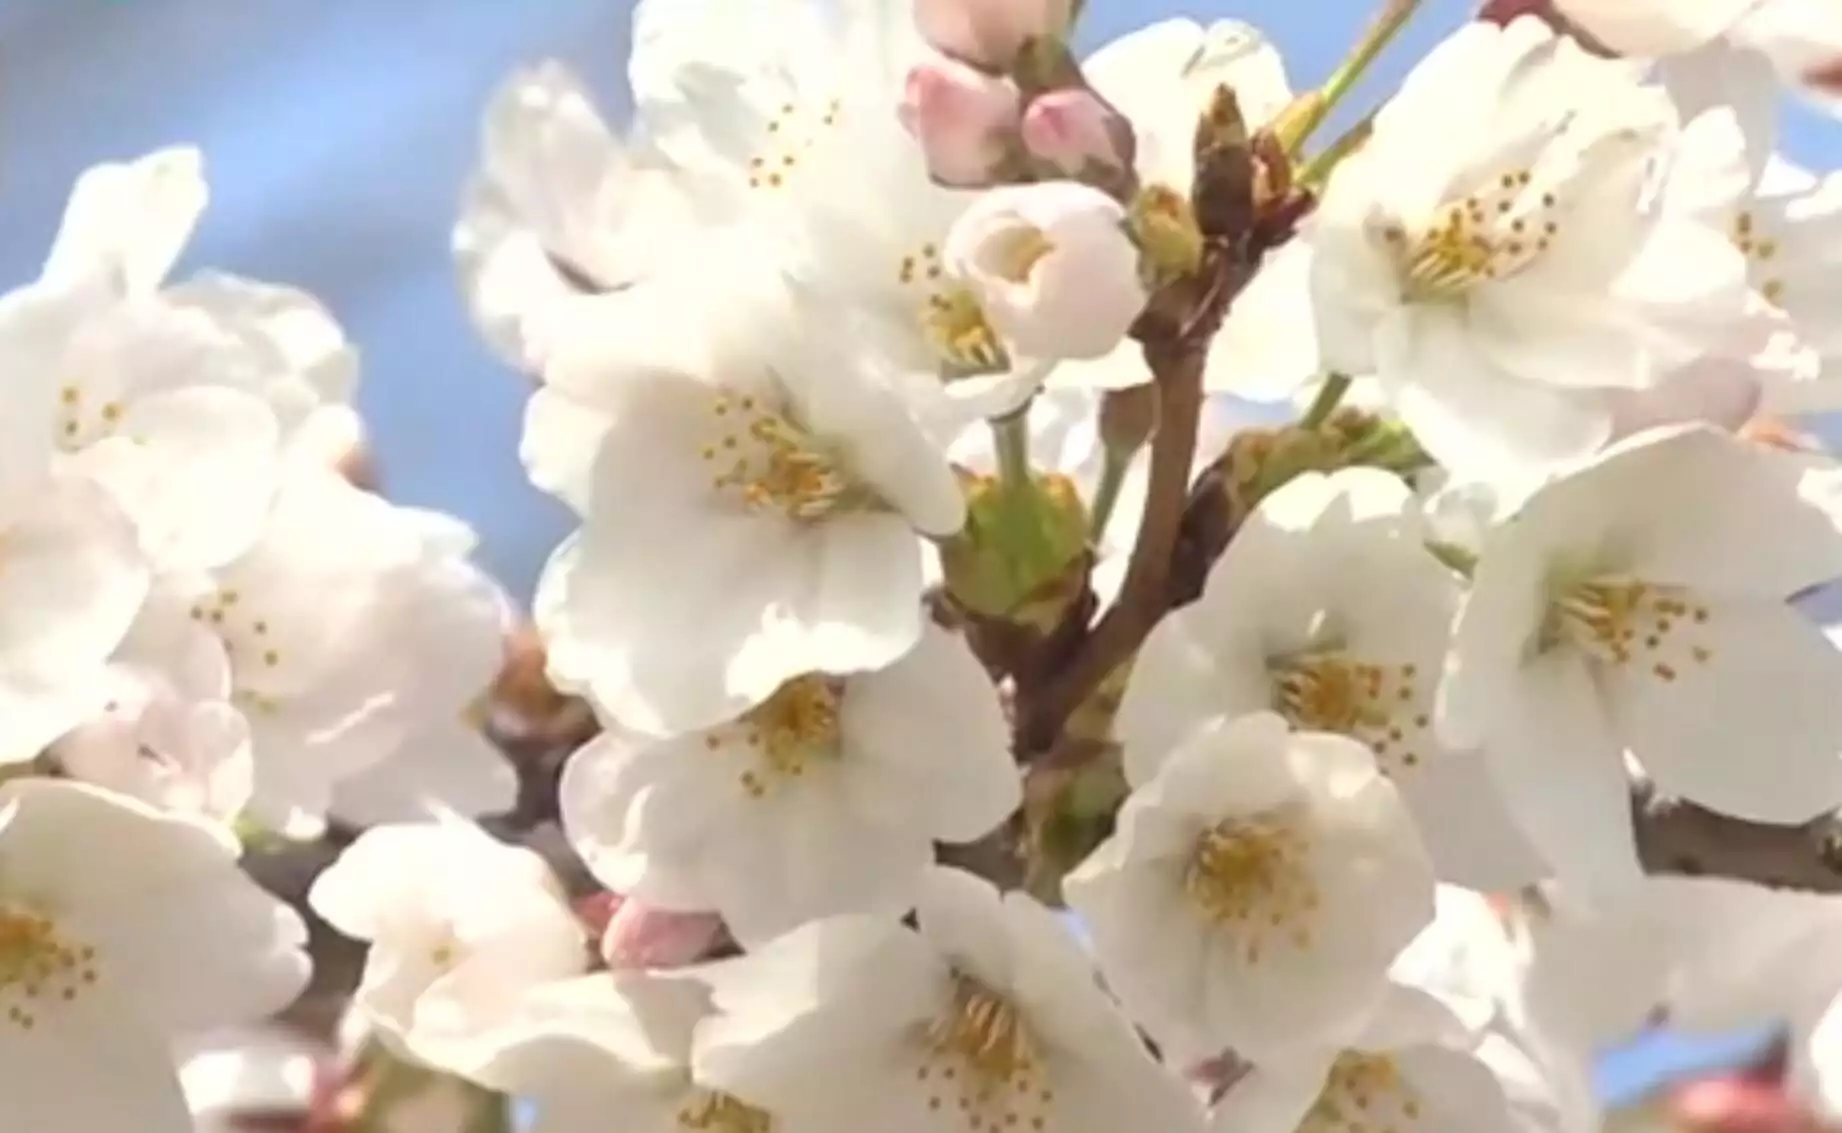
(1761, 252)
(711, 1111)
(1363, 1093)
(791, 731)
(1381, 705)
(955, 323)
(41, 967)
(1252, 877)
(1489, 235)
(84, 420)
(787, 137)
(257, 659)
(1637, 627)
(770, 464)
(981, 1065)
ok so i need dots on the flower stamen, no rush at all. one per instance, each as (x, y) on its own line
(1633, 626)
(772, 465)
(1251, 877)
(792, 730)
(1380, 705)
(982, 1061)
(39, 966)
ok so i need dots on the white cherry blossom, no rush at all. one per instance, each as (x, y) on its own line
(1256, 891)
(559, 205)
(1496, 279)
(757, 505)
(73, 582)
(1407, 1070)
(123, 930)
(984, 1012)
(168, 733)
(459, 925)
(825, 798)
(1052, 266)
(1328, 608)
(343, 649)
(1639, 604)
(607, 1050)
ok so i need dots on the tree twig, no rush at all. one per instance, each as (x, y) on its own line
(1677, 837)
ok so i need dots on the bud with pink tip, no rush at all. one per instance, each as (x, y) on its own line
(965, 120)
(640, 936)
(990, 34)
(1078, 134)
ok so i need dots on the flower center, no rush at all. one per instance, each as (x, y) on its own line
(40, 967)
(772, 465)
(1635, 626)
(710, 1111)
(1381, 705)
(1489, 235)
(1363, 1094)
(790, 731)
(982, 1063)
(955, 324)
(1760, 251)
(1016, 253)
(1252, 877)
(81, 423)
(786, 137)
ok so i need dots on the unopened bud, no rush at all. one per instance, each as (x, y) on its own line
(640, 936)
(966, 121)
(1223, 195)
(991, 34)
(1077, 134)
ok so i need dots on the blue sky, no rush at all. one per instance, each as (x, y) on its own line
(337, 134)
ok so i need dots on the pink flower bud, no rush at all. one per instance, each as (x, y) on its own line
(964, 119)
(643, 937)
(1073, 130)
(990, 33)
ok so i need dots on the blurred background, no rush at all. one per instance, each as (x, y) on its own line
(337, 134)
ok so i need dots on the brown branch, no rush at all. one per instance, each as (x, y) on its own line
(1176, 365)
(1676, 837)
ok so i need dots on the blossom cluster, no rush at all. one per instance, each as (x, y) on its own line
(1102, 609)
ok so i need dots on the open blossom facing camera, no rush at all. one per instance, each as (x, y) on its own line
(1640, 604)
(1256, 891)
(825, 798)
(459, 926)
(1487, 256)
(1328, 607)
(122, 930)
(985, 1015)
(758, 503)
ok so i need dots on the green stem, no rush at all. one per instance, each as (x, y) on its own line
(1330, 395)
(1316, 172)
(1010, 436)
(1113, 467)
(1387, 24)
